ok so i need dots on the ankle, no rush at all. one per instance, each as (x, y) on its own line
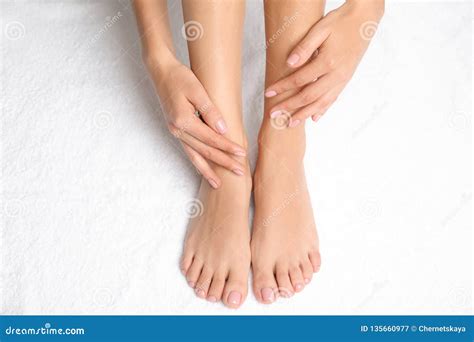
(281, 146)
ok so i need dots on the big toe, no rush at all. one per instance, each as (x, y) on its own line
(264, 285)
(235, 290)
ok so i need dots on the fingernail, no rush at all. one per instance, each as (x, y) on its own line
(240, 153)
(293, 59)
(294, 123)
(275, 114)
(234, 298)
(213, 183)
(306, 280)
(200, 293)
(316, 117)
(270, 93)
(191, 283)
(212, 299)
(221, 126)
(268, 295)
(239, 172)
(298, 287)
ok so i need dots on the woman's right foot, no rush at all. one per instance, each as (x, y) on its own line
(216, 255)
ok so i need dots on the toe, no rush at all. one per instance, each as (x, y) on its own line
(194, 271)
(235, 290)
(297, 279)
(307, 270)
(264, 284)
(285, 288)
(315, 258)
(203, 283)
(185, 263)
(217, 287)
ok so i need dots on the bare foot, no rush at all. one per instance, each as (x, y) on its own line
(285, 247)
(216, 256)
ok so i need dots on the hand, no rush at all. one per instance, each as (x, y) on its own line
(182, 96)
(332, 49)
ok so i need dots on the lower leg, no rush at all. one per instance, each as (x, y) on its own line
(284, 246)
(216, 254)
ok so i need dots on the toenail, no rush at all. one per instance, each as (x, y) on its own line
(268, 295)
(200, 293)
(212, 299)
(285, 293)
(191, 283)
(299, 287)
(306, 280)
(234, 298)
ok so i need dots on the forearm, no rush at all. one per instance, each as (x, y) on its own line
(155, 34)
(371, 7)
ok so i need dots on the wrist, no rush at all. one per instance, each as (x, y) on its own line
(159, 61)
(370, 8)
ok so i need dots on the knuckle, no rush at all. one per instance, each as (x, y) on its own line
(181, 123)
(207, 153)
(299, 80)
(306, 96)
(207, 108)
(303, 48)
(342, 76)
(173, 130)
(330, 62)
(324, 104)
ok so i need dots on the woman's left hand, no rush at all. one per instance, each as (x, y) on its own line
(326, 59)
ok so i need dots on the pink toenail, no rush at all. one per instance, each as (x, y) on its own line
(212, 299)
(298, 287)
(200, 293)
(234, 298)
(191, 283)
(268, 295)
(306, 280)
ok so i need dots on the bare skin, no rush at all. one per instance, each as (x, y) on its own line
(216, 256)
(284, 245)
(284, 248)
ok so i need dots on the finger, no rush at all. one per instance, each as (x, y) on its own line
(202, 132)
(307, 74)
(209, 112)
(202, 166)
(306, 47)
(213, 154)
(307, 95)
(316, 109)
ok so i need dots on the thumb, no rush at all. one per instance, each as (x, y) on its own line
(308, 45)
(209, 112)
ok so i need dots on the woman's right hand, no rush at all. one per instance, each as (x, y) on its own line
(182, 96)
